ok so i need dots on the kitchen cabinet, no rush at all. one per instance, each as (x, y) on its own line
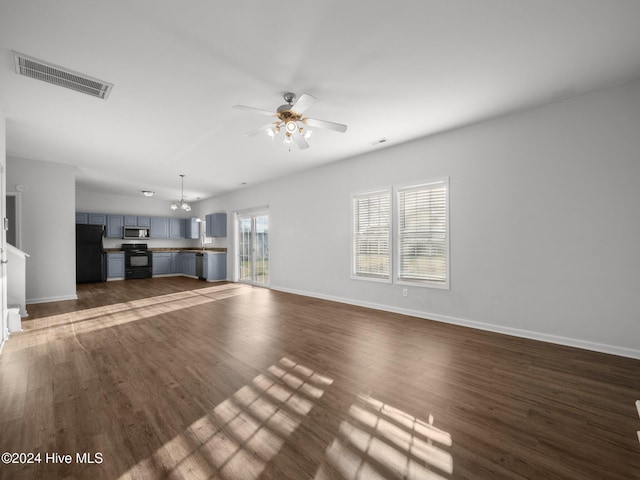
(216, 225)
(215, 266)
(97, 219)
(176, 227)
(161, 263)
(114, 226)
(189, 263)
(159, 227)
(192, 228)
(176, 262)
(91, 218)
(137, 221)
(130, 220)
(115, 265)
(143, 221)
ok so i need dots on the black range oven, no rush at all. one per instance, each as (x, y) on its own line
(138, 260)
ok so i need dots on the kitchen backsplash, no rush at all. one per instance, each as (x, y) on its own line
(154, 242)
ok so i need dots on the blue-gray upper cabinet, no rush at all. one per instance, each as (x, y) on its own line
(192, 228)
(130, 221)
(114, 226)
(97, 219)
(136, 221)
(216, 225)
(115, 265)
(176, 227)
(82, 218)
(215, 266)
(159, 227)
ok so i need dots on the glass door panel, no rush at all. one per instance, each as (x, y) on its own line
(253, 248)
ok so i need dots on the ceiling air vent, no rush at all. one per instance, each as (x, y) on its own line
(63, 77)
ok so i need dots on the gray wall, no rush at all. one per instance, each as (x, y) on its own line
(544, 223)
(3, 271)
(47, 227)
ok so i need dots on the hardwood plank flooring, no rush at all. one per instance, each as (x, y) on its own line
(180, 379)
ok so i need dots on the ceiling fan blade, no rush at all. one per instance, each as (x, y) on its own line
(254, 110)
(262, 129)
(304, 102)
(313, 122)
(301, 142)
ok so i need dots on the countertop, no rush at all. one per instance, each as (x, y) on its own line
(174, 249)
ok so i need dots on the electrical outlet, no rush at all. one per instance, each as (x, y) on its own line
(404, 292)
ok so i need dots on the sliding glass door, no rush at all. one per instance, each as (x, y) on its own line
(253, 248)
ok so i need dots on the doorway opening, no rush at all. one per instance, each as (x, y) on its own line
(13, 219)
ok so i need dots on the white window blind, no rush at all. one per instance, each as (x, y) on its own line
(422, 241)
(372, 235)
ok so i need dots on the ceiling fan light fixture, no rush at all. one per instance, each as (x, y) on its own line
(307, 134)
(291, 126)
(290, 118)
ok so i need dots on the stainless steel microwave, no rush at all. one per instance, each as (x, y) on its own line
(135, 232)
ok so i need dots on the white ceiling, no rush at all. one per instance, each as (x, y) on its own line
(396, 69)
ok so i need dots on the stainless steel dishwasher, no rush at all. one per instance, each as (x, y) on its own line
(200, 265)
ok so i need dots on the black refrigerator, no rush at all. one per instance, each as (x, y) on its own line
(89, 254)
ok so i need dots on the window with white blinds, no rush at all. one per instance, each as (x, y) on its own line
(372, 235)
(422, 234)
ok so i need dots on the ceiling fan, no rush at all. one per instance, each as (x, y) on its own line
(288, 118)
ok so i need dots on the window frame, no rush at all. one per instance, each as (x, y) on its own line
(446, 285)
(368, 194)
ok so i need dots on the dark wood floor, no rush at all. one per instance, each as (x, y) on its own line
(175, 378)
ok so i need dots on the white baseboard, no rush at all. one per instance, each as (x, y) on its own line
(515, 332)
(51, 299)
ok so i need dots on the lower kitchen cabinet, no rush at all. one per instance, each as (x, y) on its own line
(189, 263)
(115, 265)
(176, 262)
(161, 263)
(215, 266)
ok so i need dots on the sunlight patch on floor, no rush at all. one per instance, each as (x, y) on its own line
(378, 441)
(45, 329)
(239, 437)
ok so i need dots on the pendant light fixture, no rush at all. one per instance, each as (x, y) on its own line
(183, 205)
